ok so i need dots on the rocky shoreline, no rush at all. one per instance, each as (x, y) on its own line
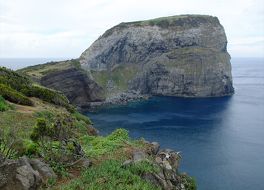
(122, 98)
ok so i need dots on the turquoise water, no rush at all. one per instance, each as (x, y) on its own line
(221, 139)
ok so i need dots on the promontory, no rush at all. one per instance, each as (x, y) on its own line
(183, 56)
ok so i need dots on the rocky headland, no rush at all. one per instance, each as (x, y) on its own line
(184, 56)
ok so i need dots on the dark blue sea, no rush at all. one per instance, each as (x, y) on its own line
(221, 139)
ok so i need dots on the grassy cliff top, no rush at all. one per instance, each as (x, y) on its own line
(38, 71)
(165, 22)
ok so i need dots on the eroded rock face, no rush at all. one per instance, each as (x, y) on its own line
(75, 84)
(176, 56)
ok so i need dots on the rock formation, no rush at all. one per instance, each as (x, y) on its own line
(183, 56)
(23, 174)
(172, 56)
(75, 84)
(167, 162)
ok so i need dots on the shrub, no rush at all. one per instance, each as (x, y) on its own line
(3, 105)
(13, 79)
(119, 135)
(14, 96)
(40, 130)
(46, 94)
(30, 148)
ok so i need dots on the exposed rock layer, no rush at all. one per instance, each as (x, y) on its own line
(176, 56)
(75, 84)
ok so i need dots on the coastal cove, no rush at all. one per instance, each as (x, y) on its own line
(221, 139)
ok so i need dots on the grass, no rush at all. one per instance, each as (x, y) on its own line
(18, 88)
(112, 176)
(162, 22)
(41, 70)
(98, 146)
(120, 76)
(20, 122)
(4, 106)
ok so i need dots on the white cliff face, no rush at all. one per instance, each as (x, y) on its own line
(176, 56)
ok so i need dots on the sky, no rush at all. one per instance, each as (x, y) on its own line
(65, 28)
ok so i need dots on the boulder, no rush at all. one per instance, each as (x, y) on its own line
(23, 174)
(139, 155)
(44, 169)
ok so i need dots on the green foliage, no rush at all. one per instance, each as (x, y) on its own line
(13, 79)
(40, 130)
(16, 87)
(118, 135)
(46, 94)
(14, 96)
(143, 167)
(30, 148)
(51, 182)
(97, 146)
(189, 182)
(81, 117)
(3, 105)
(48, 115)
(120, 76)
(110, 175)
(8, 144)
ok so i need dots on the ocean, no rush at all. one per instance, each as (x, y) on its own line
(221, 139)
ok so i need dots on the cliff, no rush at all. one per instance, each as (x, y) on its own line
(172, 56)
(183, 56)
(69, 78)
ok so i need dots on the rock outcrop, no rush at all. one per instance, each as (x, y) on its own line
(182, 55)
(24, 174)
(166, 162)
(75, 84)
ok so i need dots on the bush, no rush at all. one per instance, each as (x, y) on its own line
(40, 130)
(14, 96)
(13, 79)
(3, 105)
(46, 94)
(16, 87)
(119, 135)
(30, 148)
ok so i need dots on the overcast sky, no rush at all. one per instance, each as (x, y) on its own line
(65, 28)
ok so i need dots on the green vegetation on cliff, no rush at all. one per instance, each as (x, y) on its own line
(48, 130)
(17, 88)
(38, 71)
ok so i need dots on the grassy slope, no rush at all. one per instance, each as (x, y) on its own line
(38, 71)
(106, 153)
(120, 76)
